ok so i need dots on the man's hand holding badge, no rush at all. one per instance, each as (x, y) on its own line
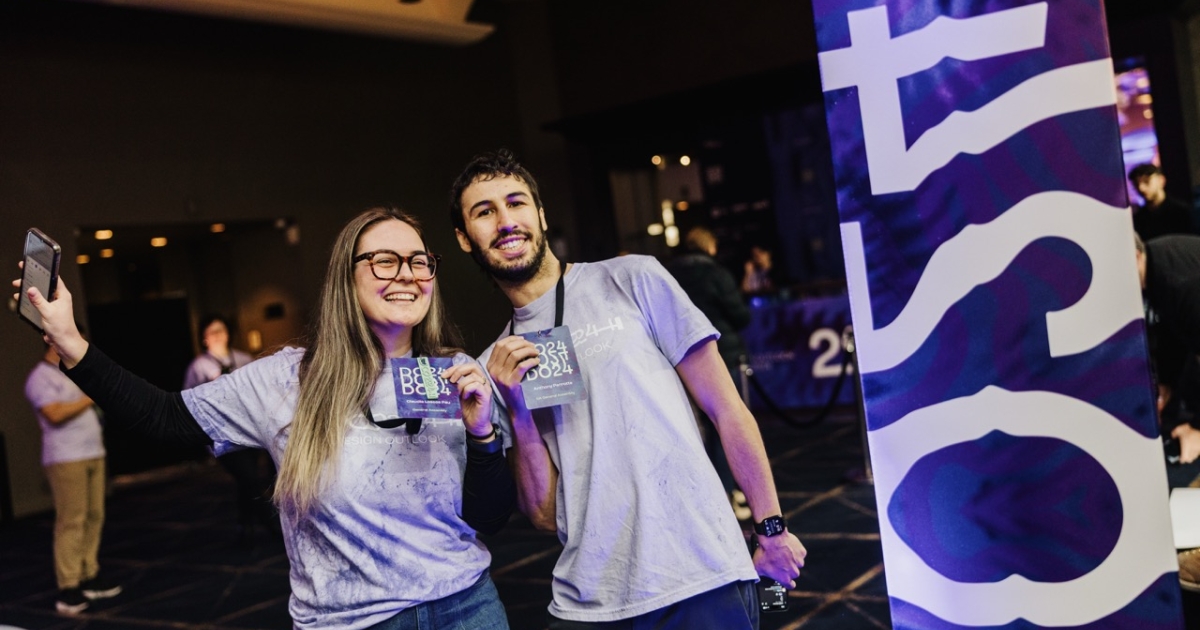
(511, 358)
(537, 369)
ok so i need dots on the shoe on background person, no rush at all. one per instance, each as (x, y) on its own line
(740, 508)
(70, 601)
(1189, 570)
(99, 587)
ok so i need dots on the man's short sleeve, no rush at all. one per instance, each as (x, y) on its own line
(675, 322)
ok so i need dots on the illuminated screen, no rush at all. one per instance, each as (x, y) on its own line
(39, 261)
(1139, 144)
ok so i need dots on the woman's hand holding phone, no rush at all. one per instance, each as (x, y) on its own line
(58, 321)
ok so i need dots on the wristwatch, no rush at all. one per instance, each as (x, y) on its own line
(770, 526)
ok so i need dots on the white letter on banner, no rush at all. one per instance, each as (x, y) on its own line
(980, 253)
(1133, 461)
(875, 61)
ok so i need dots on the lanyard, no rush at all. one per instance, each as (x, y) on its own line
(411, 425)
(559, 298)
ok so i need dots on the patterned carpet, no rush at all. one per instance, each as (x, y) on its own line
(171, 538)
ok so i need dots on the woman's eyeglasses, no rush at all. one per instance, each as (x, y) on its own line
(386, 264)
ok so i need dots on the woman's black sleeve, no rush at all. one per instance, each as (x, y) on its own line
(135, 404)
(489, 492)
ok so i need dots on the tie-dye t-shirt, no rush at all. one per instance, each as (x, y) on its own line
(387, 534)
(642, 515)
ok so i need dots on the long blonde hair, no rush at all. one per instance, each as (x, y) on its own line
(340, 366)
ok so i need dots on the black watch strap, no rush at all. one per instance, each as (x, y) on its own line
(770, 526)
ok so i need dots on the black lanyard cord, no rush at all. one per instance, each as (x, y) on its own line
(411, 425)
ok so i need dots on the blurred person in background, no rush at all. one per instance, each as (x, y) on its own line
(251, 468)
(759, 273)
(1159, 213)
(1169, 270)
(714, 291)
(73, 457)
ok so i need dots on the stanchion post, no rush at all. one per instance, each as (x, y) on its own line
(745, 371)
(852, 356)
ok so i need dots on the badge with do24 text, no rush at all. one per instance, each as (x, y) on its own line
(556, 380)
(421, 392)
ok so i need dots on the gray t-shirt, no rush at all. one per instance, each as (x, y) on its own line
(205, 367)
(387, 535)
(76, 439)
(642, 515)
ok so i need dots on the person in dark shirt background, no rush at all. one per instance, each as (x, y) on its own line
(1159, 214)
(714, 291)
(1169, 270)
(760, 275)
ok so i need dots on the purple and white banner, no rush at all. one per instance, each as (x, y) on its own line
(989, 255)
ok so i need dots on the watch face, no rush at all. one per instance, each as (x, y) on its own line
(771, 526)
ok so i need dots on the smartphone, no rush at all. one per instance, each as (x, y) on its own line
(42, 259)
(772, 596)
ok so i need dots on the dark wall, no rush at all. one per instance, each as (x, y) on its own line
(124, 116)
(625, 51)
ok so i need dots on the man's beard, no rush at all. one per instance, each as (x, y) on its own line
(516, 273)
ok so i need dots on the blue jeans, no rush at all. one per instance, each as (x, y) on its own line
(477, 607)
(730, 607)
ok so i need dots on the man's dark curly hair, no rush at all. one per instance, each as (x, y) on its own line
(486, 166)
(1143, 170)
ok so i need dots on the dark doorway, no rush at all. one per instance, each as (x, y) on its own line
(149, 285)
(152, 339)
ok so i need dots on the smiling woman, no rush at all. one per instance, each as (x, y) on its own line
(340, 486)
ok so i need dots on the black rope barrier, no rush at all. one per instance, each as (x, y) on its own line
(821, 415)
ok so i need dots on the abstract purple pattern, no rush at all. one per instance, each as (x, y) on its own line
(998, 508)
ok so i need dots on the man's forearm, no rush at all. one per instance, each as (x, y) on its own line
(60, 412)
(534, 472)
(778, 557)
(141, 407)
(748, 461)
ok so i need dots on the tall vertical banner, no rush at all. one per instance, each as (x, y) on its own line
(995, 299)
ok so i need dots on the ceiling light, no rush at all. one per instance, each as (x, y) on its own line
(82, 259)
(216, 228)
(158, 241)
(672, 235)
(685, 160)
(103, 235)
(254, 340)
(106, 253)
